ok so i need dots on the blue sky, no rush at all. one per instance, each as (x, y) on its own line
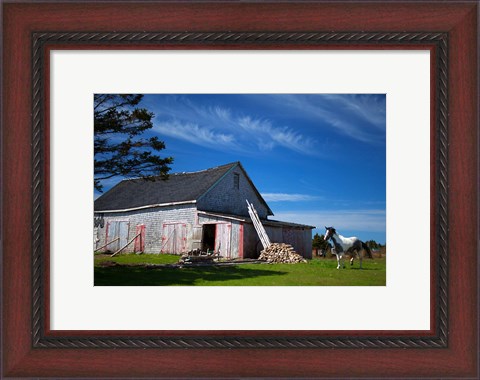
(317, 159)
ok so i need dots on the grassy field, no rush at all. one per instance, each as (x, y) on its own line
(317, 272)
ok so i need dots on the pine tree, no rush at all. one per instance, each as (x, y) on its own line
(119, 149)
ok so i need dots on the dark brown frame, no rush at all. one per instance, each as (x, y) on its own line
(448, 30)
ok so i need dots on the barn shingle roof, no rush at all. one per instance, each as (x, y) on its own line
(179, 187)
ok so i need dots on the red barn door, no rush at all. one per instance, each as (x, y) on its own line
(140, 239)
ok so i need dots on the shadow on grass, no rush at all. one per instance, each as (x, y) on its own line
(140, 276)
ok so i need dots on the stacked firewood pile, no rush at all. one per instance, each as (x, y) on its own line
(281, 253)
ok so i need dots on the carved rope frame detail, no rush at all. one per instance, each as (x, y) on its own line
(315, 39)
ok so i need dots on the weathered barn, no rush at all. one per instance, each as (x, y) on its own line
(205, 210)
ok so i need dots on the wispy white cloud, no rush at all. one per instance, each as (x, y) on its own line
(195, 134)
(361, 117)
(218, 126)
(371, 109)
(284, 197)
(264, 130)
(359, 220)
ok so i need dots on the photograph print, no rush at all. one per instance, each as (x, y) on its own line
(239, 189)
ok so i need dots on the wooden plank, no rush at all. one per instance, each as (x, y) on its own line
(123, 228)
(240, 241)
(168, 231)
(174, 238)
(112, 235)
(140, 240)
(107, 244)
(223, 239)
(181, 238)
(124, 246)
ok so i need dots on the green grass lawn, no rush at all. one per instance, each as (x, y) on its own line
(132, 258)
(317, 272)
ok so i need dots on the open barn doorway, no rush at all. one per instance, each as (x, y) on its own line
(208, 237)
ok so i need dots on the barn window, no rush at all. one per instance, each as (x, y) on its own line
(236, 180)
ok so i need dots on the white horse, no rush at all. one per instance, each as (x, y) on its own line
(343, 245)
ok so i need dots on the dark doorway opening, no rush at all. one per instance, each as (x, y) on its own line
(208, 237)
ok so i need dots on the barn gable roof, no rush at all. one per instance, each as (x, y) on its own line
(177, 189)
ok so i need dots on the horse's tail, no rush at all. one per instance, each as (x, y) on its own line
(367, 248)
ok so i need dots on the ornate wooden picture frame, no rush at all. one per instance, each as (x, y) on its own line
(31, 349)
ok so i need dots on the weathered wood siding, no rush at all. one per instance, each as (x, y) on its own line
(177, 229)
(227, 234)
(227, 199)
(96, 240)
(139, 242)
(300, 238)
(174, 238)
(153, 219)
(117, 232)
(223, 237)
(251, 242)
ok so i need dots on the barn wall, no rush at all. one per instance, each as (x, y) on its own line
(300, 238)
(153, 219)
(234, 250)
(226, 199)
(307, 246)
(251, 242)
